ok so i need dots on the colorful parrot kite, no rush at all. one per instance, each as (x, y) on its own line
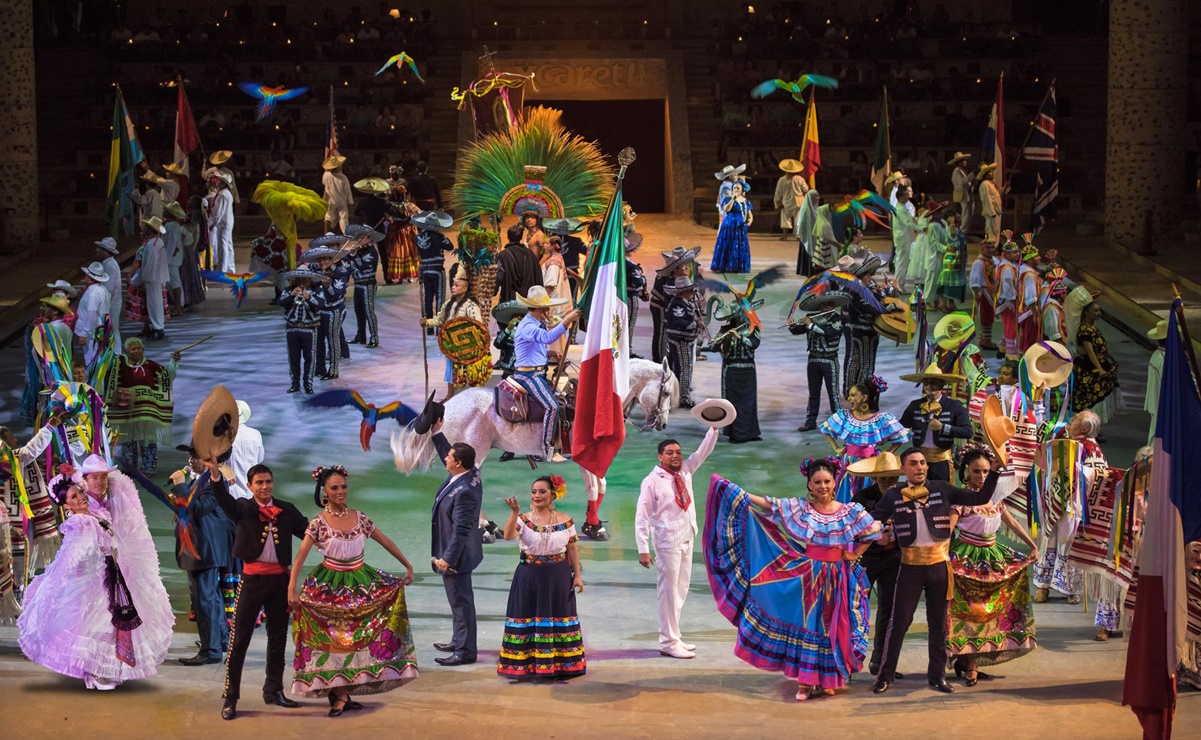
(237, 281)
(371, 414)
(763, 89)
(398, 60)
(269, 96)
(746, 300)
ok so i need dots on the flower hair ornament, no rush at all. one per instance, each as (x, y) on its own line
(962, 452)
(560, 486)
(878, 383)
(809, 462)
(321, 470)
(56, 487)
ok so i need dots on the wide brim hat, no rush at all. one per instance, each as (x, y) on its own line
(952, 329)
(225, 177)
(433, 220)
(898, 325)
(884, 465)
(151, 176)
(562, 226)
(175, 209)
(59, 302)
(933, 372)
(676, 257)
(893, 177)
(847, 263)
(932, 207)
(429, 416)
(633, 240)
(109, 245)
(371, 185)
(1159, 331)
(244, 411)
(730, 170)
(998, 428)
(715, 412)
(62, 285)
(357, 231)
(96, 272)
(681, 284)
(791, 165)
(156, 223)
(823, 301)
(734, 308)
(290, 275)
(334, 241)
(1048, 363)
(216, 424)
(220, 157)
(319, 253)
(959, 157)
(537, 297)
(334, 162)
(868, 266)
(985, 168)
(174, 169)
(507, 311)
(95, 464)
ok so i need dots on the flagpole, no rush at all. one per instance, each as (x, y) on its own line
(1030, 132)
(1188, 342)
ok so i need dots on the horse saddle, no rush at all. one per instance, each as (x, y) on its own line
(517, 405)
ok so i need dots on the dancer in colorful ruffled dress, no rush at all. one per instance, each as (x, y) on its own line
(862, 431)
(542, 626)
(99, 612)
(732, 253)
(786, 573)
(990, 620)
(351, 623)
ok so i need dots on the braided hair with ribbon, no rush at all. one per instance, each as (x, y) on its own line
(321, 474)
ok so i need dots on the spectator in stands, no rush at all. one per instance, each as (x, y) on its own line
(279, 167)
(367, 33)
(147, 35)
(385, 122)
(423, 189)
(120, 33)
(361, 121)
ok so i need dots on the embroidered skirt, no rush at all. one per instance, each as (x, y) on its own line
(991, 616)
(542, 627)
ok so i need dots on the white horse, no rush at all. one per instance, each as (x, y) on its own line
(471, 417)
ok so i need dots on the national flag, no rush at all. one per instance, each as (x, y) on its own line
(187, 138)
(993, 148)
(811, 154)
(1173, 518)
(124, 155)
(1043, 150)
(882, 157)
(331, 128)
(600, 428)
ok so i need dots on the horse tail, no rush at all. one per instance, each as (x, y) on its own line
(411, 450)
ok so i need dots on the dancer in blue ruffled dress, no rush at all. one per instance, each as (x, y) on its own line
(732, 252)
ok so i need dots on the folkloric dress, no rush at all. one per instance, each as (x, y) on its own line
(861, 438)
(352, 627)
(401, 259)
(780, 578)
(140, 409)
(732, 252)
(1092, 387)
(991, 616)
(952, 278)
(542, 626)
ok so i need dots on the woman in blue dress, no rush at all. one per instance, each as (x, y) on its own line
(786, 573)
(862, 431)
(732, 252)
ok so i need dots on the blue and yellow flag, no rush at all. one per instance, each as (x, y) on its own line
(125, 154)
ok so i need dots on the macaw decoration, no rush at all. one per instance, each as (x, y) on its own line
(854, 211)
(398, 60)
(745, 300)
(269, 96)
(184, 526)
(237, 281)
(836, 280)
(795, 88)
(371, 414)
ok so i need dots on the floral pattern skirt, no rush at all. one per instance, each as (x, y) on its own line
(352, 631)
(991, 616)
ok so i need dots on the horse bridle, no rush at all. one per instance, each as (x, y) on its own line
(651, 419)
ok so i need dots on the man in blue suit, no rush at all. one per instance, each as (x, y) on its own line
(456, 547)
(212, 536)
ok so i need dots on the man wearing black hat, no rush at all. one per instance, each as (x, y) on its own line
(363, 266)
(823, 332)
(635, 291)
(264, 526)
(432, 246)
(681, 329)
(326, 255)
(676, 263)
(936, 420)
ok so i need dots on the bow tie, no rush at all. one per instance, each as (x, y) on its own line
(269, 513)
(933, 408)
(918, 494)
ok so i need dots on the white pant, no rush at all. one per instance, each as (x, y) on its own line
(154, 305)
(672, 578)
(222, 243)
(901, 263)
(339, 216)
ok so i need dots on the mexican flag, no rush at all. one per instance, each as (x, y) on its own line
(600, 428)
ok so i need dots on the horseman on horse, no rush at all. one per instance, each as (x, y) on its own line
(530, 343)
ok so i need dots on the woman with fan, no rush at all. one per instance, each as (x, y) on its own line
(862, 431)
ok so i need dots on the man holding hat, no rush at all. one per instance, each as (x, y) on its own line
(93, 327)
(882, 560)
(936, 420)
(106, 254)
(154, 266)
(676, 263)
(990, 201)
(218, 161)
(337, 194)
(529, 350)
(961, 188)
(219, 214)
(681, 327)
(432, 246)
(364, 264)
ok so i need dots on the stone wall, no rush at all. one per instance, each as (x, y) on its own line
(18, 128)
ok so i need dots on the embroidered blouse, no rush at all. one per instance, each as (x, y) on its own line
(846, 526)
(338, 545)
(538, 539)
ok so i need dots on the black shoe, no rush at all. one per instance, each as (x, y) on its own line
(371, 345)
(334, 709)
(352, 705)
(279, 700)
(199, 659)
(356, 340)
(873, 668)
(880, 686)
(506, 456)
(809, 427)
(444, 647)
(158, 336)
(308, 389)
(970, 682)
(452, 660)
(230, 710)
(294, 389)
(941, 685)
(595, 532)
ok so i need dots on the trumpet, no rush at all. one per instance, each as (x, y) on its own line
(797, 322)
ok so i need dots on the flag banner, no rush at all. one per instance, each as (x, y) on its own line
(331, 128)
(187, 137)
(811, 156)
(993, 148)
(1173, 518)
(1043, 151)
(124, 154)
(599, 429)
(882, 156)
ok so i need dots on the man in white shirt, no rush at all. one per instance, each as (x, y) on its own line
(666, 510)
(904, 232)
(246, 452)
(220, 205)
(337, 195)
(92, 314)
(155, 267)
(106, 255)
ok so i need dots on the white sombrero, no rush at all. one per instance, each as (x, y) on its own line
(715, 412)
(539, 298)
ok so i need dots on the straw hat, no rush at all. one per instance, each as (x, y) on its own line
(156, 223)
(997, 427)
(333, 162)
(433, 220)
(175, 209)
(959, 157)
(225, 177)
(883, 465)
(715, 412)
(95, 464)
(897, 325)
(174, 169)
(371, 185)
(216, 424)
(1159, 330)
(152, 177)
(220, 157)
(59, 302)
(539, 298)
(933, 372)
(243, 411)
(96, 272)
(730, 170)
(507, 311)
(108, 244)
(1048, 363)
(985, 169)
(952, 329)
(893, 177)
(676, 257)
(62, 286)
(791, 165)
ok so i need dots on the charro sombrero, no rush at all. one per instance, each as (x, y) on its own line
(633, 240)
(882, 465)
(356, 231)
(320, 253)
(715, 412)
(676, 257)
(372, 185)
(290, 275)
(897, 325)
(216, 424)
(152, 177)
(537, 297)
(952, 329)
(433, 220)
(562, 226)
(729, 170)
(933, 372)
(507, 311)
(829, 299)
(334, 162)
(1048, 363)
(681, 284)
